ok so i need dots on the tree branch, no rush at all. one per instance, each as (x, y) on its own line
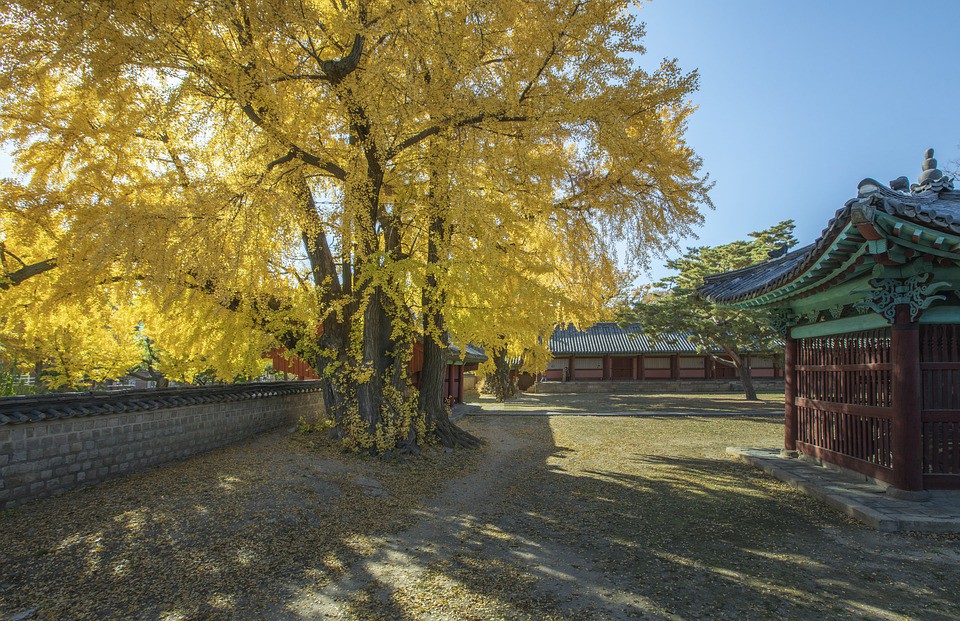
(322, 267)
(234, 300)
(24, 273)
(454, 124)
(334, 70)
(296, 153)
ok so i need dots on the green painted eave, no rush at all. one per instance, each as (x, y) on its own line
(846, 251)
(870, 321)
(923, 239)
(842, 294)
(847, 247)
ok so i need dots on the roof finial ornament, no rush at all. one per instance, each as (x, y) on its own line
(932, 178)
(900, 184)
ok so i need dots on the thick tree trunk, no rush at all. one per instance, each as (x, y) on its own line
(330, 345)
(749, 392)
(434, 353)
(376, 323)
(431, 399)
(499, 383)
(375, 346)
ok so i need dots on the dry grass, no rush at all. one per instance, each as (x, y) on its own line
(556, 518)
(637, 402)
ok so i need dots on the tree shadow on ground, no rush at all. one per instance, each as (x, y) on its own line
(662, 536)
(563, 519)
(218, 536)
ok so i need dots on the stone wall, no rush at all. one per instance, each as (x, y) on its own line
(52, 444)
(655, 386)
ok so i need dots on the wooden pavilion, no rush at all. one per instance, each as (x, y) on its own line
(871, 317)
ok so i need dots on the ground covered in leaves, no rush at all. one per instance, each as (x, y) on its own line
(562, 517)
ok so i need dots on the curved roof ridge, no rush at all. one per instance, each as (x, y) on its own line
(782, 259)
(934, 209)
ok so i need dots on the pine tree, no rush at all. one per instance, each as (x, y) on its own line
(673, 306)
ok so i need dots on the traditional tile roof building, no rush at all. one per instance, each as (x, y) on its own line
(871, 316)
(457, 364)
(609, 351)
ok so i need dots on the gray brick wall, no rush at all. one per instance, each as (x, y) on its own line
(48, 457)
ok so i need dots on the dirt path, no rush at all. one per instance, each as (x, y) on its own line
(642, 518)
(401, 560)
(465, 526)
(444, 532)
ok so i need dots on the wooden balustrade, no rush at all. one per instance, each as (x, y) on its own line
(843, 400)
(940, 372)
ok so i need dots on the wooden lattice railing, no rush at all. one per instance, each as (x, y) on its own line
(844, 400)
(940, 373)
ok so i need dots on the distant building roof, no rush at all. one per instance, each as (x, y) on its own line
(473, 355)
(610, 338)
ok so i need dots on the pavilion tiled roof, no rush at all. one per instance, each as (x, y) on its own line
(755, 278)
(937, 209)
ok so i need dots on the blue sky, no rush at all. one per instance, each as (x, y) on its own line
(799, 101)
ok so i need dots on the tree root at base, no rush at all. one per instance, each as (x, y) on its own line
(450, 435)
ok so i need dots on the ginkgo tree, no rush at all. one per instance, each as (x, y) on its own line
(339, 178)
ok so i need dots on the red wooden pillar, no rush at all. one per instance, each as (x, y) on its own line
(790, 426)
(905, 384)
(642, 373)
(635, 362)
(449, 383)
(675, 367)
(607, 372)
(460, 383)
(573, 364)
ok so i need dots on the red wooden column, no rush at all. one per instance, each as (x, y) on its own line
(450, 372)
(790, 395)
(573, 373)
(906, 441)
(675, 367)
(635, 362)
(641, 371)
(460, 383)
(607, 372)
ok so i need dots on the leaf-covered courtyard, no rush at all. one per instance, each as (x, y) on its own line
(555, 518)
